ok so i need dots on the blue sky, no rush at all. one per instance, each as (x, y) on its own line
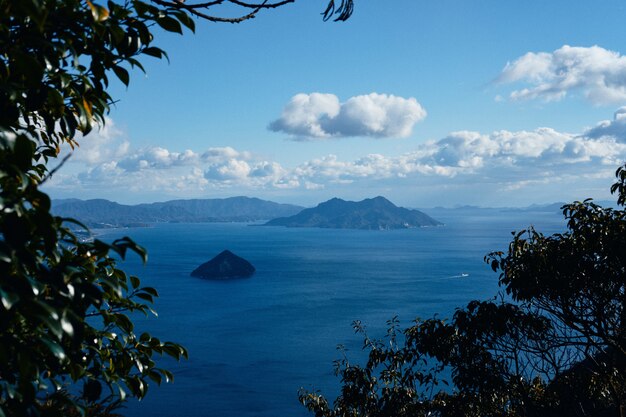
(438, 102)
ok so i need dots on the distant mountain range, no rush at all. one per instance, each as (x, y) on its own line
(372, 214)
(105, 213)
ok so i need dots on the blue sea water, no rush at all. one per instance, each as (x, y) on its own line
(254, 342)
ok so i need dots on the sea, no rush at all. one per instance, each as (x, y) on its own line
(254, 342)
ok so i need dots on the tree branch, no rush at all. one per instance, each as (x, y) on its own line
(202, 10)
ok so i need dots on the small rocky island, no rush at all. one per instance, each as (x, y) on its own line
(226, 265)
(370, 214)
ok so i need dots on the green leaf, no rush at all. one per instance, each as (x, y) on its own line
(67, 327)
(150, 291)
(135, 282)
(185, 19)
(76, 371)
(169, 377)
(170, 24)
(136, 64)
(146, 297)
(8, 299)
(121, 392)
(98, 12)
(123, 322)
(155, 376)
(153, 51)
(24, 150)
(54, 348)
(122, 74)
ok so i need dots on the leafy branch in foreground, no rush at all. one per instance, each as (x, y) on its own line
(64, 317)
(553, 343)
(68, 346)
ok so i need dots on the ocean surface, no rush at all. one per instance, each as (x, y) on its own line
(254, 342)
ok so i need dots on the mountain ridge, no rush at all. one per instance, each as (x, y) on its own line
(376, 213)
(105, 213)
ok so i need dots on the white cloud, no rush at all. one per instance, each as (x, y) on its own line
(598, 73)
(228, 170)
(522, 155)
(305, 114)
(319, 116)
(615, 128)
(266, 169)
(102, 144)
(156, 157)
(502, 161)
(215, 155)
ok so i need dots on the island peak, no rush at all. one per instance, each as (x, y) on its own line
(226, 265)
(376, 213)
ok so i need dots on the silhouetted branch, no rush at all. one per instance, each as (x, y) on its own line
(343, 11)
(203, 9)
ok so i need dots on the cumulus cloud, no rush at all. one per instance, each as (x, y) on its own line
(319, 116)
(499, 154)
(615, 128)
(230, 169)
(218, 166)
(229, 166)
(513, 158)
(509, 159)
(215, 155)
(598, 73)
(156, 157)
(305, 114)
(267, 169)
(103, 144)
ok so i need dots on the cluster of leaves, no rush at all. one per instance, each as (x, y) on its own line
(67, 342)
(64, 316)
(56, 58)
(553, 343)
(397, 379)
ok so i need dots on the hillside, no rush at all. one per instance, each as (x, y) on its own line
(105, 213)
(371, 214)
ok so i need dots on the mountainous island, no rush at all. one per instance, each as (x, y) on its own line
(370, 214)
(226, 265)
(104, 213)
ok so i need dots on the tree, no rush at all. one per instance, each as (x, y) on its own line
(552, 343)
(67, 342)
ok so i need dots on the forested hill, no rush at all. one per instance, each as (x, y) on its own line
(105, 213)
(372, 213)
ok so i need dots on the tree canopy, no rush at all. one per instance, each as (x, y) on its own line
(551, 343)
(68, 345)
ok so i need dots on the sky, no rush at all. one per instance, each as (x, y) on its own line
(426, 102)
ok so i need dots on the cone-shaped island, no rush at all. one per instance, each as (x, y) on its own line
(226, 265)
